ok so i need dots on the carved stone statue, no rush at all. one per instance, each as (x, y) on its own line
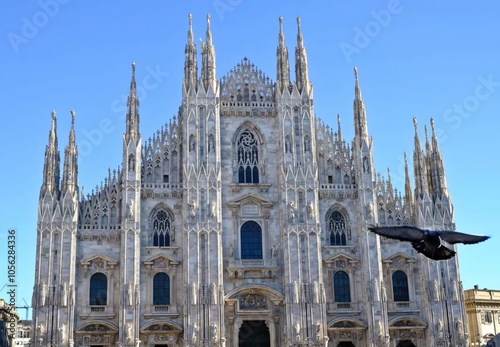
(194, 294)
(64, 294)
(323, 293)
(273, 252)
(310, 210)
(297, 331)
(291, 210)
(454, 292)
(214, 294)
(383, 291)
(128, 294)
(231, 251)
(194, 336)
(459, 327)
(130, 208)
(215, 334)
(62, 333)
(211, 209)
(369, 210)
(128, 333)
(43, 294)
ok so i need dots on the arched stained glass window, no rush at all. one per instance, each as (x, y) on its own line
(248, 158)
(337, 227)
(161, 229)
(251, 240)
(400, 286)
(98, 289)
(161, 289)
(341, 287)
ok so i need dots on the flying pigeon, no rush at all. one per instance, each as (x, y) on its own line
(428, 242)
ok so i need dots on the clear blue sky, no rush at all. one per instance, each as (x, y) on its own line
(415, 59)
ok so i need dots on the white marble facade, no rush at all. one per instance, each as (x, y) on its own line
(232, 223)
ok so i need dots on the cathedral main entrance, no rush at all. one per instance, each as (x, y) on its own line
(346, 344)
(254, 333)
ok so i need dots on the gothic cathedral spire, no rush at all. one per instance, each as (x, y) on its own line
(132, 128)
(190, 64)
(360, 122)
(283, 66)
(70, 178)
(419, 167)
(51, 170)
(208, 61)
(301, 74)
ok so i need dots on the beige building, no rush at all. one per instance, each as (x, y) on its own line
(482, 307)
(243, 222)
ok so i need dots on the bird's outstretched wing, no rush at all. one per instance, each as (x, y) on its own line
(456, 237)
(403, 233)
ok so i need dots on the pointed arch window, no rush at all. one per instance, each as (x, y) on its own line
(161, 229)
(251, 240)
(337, 227)
(98, 289)
(341, 287)
(400, 286)
(161, 289)
(248, 158)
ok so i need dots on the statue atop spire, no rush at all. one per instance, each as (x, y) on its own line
(51, 166)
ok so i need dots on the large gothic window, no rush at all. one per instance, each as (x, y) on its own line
(161, 229)
(248, 158)
(251, 240)
(400, 286)
(161, 289)
(337, 227)
(98, 289)
(341, 288)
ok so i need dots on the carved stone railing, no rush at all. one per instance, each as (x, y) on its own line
(337, 190)
(265, 268)
(402, 306)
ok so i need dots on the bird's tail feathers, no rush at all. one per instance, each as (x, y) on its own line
(441, 253)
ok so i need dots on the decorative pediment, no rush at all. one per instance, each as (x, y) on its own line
(99, 328)
(160, 263)
(346, 323)
(340, 261)
(407, 322)
(254, 297)
(161, 327)
(250, 205)
(98, 263)
(399, 260)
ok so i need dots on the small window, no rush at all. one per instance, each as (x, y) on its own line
(251, 240)
(161, 289)
(98, 289)
(400, 286)
(341, 287)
